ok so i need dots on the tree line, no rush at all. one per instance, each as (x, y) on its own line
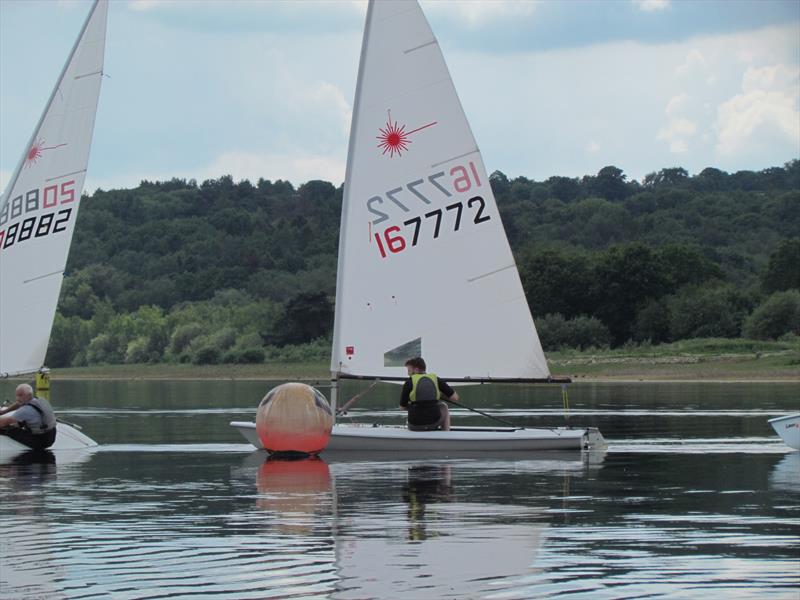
(238, 272)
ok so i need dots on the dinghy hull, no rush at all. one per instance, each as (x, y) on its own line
(365, 438)
(788, 427)
(68, 438)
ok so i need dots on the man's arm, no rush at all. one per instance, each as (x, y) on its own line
(10, 408)
(447, 391)
(405, 395)
(6, 421)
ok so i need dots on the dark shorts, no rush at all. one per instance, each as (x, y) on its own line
(428, 420)
(36, 441)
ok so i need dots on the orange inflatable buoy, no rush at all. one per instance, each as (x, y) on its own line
(294, 418)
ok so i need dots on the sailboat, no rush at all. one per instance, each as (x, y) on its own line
(38, 212)
(425, 267)
(788, 427)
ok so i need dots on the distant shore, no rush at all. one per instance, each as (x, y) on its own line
(698, 362)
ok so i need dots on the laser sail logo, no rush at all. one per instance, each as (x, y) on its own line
(37, 150)
(394, 139)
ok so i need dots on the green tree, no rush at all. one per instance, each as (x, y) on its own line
(783, 270)
(555, 281)
(686, 264)
(500, 184)
(778, 315)
(609, 183)
(625, 279)
(706, 311)
(652, 322)
(581, 333)
(566, 189)
(308, 316)
(68, 339)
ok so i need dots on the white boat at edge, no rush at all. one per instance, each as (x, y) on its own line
(38, 211)
(68, 439)
(425, 267)
(788, 428)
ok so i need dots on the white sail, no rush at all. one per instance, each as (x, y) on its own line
(425, 267)
(40, 205)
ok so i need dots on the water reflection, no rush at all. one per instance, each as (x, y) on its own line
(298, 492)
(687, 503)
(26, 561)
(412, 528)
(785, 474)
(425, 484)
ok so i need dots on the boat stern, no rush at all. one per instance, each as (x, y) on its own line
(593, 440)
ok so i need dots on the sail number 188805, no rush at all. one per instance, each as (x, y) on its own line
(27, 215)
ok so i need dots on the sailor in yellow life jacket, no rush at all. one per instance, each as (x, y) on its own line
(420, 396)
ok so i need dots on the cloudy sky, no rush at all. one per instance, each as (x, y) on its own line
(251, 88)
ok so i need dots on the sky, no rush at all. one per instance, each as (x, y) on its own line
(197, 89)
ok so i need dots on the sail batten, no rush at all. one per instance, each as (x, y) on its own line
(81, 172)
(421, 46)
(435, 266)
(452, 158)
(39, 207)
(38, 277)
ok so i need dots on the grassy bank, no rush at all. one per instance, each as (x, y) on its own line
(707, 359)
(702, 359)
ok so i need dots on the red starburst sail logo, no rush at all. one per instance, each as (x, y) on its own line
(393, 138)
(37, 149)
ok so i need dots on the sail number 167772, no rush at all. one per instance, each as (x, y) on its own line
(394, 240)
(432, 222)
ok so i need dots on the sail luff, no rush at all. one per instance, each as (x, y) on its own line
(15, 175)
(340, 268)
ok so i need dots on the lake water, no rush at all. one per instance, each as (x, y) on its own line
(695, 498)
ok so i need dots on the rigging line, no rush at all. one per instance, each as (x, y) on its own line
(343, 409)
(480, 412)
(451, 159)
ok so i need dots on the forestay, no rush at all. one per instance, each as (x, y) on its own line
(39, 208)
(425, 267)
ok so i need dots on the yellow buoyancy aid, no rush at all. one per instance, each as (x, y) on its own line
(424, 387)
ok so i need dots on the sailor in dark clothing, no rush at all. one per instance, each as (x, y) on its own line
(420, 396)
(33, 422)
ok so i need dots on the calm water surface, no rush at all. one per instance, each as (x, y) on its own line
(695, 497)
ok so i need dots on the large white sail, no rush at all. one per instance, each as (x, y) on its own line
(424, 263)
(40, 205)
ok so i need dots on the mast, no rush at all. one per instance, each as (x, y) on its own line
(340, 271)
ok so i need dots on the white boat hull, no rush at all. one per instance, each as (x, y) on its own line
(68, 438)
(463, 439)
(788, 427)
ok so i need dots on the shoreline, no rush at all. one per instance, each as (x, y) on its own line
(697, 361)
(657, 374)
